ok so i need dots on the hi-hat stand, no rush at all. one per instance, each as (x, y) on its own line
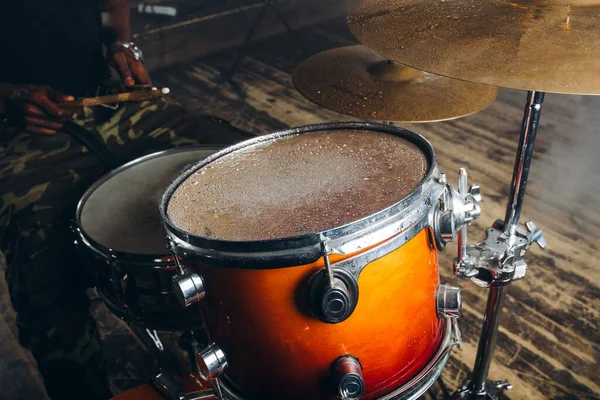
(498, 260)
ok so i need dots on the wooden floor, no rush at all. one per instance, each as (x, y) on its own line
(548, 344)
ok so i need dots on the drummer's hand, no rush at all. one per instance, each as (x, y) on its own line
(35, 108)
(132, 71)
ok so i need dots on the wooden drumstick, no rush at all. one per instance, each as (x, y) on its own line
(115, 98)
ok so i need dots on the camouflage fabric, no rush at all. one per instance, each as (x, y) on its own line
(41, 180)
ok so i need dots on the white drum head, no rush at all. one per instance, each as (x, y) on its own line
(121, 211)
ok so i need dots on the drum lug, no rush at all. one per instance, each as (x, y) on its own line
(332, 295)
(189, 288)
(332, 303)
(212, 362)
(348, 377)
(448, 301)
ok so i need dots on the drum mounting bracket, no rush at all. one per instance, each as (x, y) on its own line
(498, 260)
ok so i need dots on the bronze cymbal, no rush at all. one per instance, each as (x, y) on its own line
(543, 45)
(355, 81)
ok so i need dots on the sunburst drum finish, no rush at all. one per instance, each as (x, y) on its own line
(259, 316)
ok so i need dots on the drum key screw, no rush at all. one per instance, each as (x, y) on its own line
(443, 180)
(347, 375)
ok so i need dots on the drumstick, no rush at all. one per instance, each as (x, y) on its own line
(115, 98)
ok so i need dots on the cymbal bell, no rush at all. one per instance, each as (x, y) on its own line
(355, 81)
(543, 45)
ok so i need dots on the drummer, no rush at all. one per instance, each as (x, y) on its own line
(51, 51)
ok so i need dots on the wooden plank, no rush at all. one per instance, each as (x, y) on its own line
(226, 26)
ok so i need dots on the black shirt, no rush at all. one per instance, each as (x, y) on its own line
(52, 42)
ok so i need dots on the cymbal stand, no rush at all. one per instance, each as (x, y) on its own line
(228, 76)
(498, 260)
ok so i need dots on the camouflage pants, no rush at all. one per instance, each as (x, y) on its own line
(41, 180)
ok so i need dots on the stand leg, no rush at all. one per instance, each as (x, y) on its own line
(242, 52)
(480, 387)
(228, 76)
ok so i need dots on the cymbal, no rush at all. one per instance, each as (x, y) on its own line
(543, 45)
(355, 81)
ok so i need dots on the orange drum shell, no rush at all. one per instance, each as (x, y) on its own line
(191, 384)
(276, 349)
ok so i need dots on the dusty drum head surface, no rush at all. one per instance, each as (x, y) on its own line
(356, 81)
(545, 45)
(121, 212)
(297, 184)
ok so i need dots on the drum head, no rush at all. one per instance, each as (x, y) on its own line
(121, 211)
(297, 185)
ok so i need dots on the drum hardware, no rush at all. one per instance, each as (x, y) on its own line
(455, 210)
(332, 295)
(348, 378)
(212, 365)
(170, 386)
(212, 362)
(448, 301)
(188, 286)
(498, 260)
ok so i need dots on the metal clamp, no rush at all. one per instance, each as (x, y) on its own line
(454, 211)
(498, 260)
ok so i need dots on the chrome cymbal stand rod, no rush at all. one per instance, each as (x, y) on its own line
(498, 260)
(529, 128)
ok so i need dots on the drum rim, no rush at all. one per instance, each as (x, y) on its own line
(141, 259)
(282, 252)
(415, 386)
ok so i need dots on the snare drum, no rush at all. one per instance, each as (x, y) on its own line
(313, 254)
(121, 240)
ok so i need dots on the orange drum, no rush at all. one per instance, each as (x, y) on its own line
(167, 386)
(312, 253)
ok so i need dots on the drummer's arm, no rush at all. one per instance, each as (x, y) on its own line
(119, 18)
(132, 71)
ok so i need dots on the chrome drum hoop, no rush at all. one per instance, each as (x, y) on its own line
(406, 217)
(412, 389)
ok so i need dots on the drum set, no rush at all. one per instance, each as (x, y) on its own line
(309, 256)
